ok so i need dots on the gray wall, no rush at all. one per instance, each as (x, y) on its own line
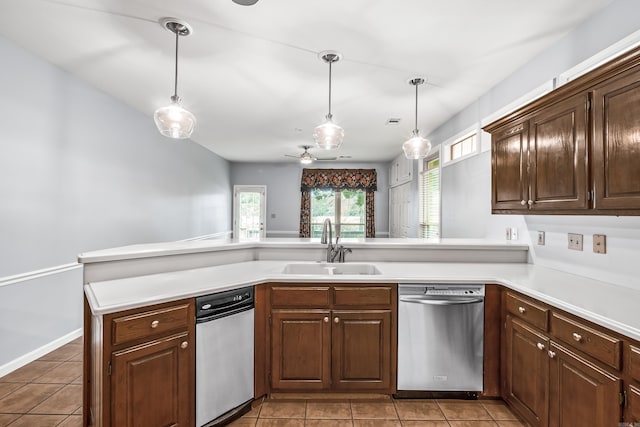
(81, 171)
(466, 209)
(283, 192)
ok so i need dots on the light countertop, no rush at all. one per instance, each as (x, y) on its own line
(611, 306)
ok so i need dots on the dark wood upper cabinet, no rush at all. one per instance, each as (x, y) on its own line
(616, 142)
(575, 150)
(558, 156)
(509, 173)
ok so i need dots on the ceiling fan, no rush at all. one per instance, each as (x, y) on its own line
(307, 158)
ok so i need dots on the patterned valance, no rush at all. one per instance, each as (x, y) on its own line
(364, 179)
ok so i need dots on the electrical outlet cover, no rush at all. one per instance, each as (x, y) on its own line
(599, 244)
(575, 241)
(541, 238)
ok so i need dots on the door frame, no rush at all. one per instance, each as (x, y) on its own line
(262, 189)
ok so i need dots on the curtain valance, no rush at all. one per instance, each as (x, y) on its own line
(363, 179)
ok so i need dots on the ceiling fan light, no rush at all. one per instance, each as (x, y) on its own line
(417, 147)
(306, 159)
(174, 121)
(328, 135)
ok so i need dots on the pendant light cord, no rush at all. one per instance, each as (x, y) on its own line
(175, 84)
(415, 130)
(330, 62)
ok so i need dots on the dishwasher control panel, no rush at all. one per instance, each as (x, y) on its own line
(458, 291)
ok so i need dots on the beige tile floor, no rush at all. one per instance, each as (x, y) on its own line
(379, 412)
(48, 392)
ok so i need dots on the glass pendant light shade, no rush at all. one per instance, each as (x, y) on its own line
(417, 147)
(328, 135)
(173, 121)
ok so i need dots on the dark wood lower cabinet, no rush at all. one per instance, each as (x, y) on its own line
(301, 349)
(581, 393)
(361, 350)
(526, 372)
(151, 384)
(633, 397)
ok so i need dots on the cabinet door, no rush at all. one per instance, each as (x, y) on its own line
(558, 156)
(151, 384)
(616, 142)
(633, 394)
(300, 349)
(509, 175)
(526, 373)
(581, 394)
(361, 350)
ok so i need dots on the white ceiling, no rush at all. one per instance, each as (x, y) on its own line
(252, 77)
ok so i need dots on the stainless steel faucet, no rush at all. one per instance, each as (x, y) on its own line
(333, 252)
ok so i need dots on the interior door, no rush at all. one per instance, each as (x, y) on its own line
(249, 212)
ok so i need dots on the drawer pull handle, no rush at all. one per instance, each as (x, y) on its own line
(523, 202)
(540, 346)
(552, 354)
(155, 324)
(521, 309)
(577, 337)
(184, 344)
(326, 319)
(336, 320)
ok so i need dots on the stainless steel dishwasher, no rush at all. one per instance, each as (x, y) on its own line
(224, 353)
(440, 337)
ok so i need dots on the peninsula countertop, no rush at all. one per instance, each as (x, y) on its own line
(611, 306)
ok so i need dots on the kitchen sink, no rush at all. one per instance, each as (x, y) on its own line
(330, 269)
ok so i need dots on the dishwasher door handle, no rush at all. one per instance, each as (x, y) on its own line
(428, 301)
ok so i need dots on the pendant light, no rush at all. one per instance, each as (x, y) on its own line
(417, 147)
(173, 120)
(329, 135)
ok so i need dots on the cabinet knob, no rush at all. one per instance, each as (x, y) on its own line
(326, 319)
(521, 309)
(155, 324)
(530, 202)
(551, 354)
(523, 202)
(336, 320)
(540, 346)
(184, 344)
(577, 337)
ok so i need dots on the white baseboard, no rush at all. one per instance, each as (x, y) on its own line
(38, 352)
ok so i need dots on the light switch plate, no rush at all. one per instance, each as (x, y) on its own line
(541, 238)
(599, 244)
(575, 241)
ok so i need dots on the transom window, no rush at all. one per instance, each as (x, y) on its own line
(345, 208)
(463, 147)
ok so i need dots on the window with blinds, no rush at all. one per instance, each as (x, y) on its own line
(430, 198)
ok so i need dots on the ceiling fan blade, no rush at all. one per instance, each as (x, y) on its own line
(293, 157)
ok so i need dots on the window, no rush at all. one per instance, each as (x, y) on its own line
(345, 208)
(463, 147)
(430, 198)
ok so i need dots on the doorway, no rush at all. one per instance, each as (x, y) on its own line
(249, 212)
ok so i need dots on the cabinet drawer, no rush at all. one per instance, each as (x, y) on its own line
(363, 296)
(634, 403)
(634, 362)
(300, 296)
(149, 323)
(603, 347)
(536, 315)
